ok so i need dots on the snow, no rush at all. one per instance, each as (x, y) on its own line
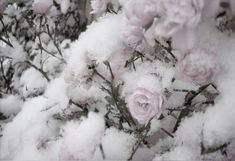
(64, 6)
(81, 139)
(24, 130)
(117, 145)
(10, 105)
(32, 82)
(56, 93)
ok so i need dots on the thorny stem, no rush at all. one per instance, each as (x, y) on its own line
(167, 49)
(165, 131)
(187, 104)
(56, 45)
(140, 140)
(54, 41)
(205, 150)
(5, 41)
(3, 73)
(136, 55)
(102, 151)
(101, 76)
(114, 97)
(110, 69)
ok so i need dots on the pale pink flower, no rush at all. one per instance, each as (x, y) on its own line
(177, 14)
(3, 5)
(140, 12)
(99, 6)
(147, 100)
(43, 7)
(198, 67)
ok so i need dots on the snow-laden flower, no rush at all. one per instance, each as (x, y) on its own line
(147, 100)
(99, 6)
(176, 14)
(198, 67)
(140, 12)
(3, 5)
(43, 7)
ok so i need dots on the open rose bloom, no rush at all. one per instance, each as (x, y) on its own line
(147, 100)
(198, 67)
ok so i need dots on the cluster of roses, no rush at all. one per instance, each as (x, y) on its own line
(148, 20)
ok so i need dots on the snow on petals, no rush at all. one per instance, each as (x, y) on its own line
(198, 67)
(176, 14)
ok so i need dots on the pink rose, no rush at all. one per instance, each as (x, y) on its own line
(147, 100)
(198, 67)
(44, 7)
(3, 5)
(140, 12)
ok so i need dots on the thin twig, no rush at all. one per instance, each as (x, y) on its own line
(38, 69)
